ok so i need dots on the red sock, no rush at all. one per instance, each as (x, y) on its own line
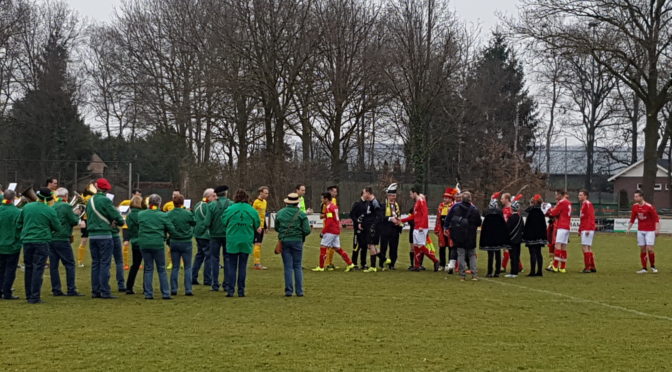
(323, 256)
(505, 259)
(557, 256)
(642, 257)
(563, 263)
(586, 260)
(345, 256)
(652, 259)
(429, 254)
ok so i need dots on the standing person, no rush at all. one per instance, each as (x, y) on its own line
(358, 240)
(260, 205)
(333, 190)
(562, 212)
(535, 235)
(444, 240)
(83, 230)
(587, 231)
(390, 229)
(331, 234)
(118, 256)
(494, 236)
(514, 225)
(507, 211)
(154, 225)
(181, 244)
(60, 248)
(300, 190)
(124, 229)
(102, 218)
(241, 222)
(648, 227)
(213, 220)
(463, 221)
(420, 218)
(292, 226)
(132, 235)
(370, 221)
(37, 222)
(202, 236)
(10, 245)
(169, 206)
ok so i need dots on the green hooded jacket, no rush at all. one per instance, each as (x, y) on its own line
(241, 222)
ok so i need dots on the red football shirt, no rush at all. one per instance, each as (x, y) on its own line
(420, 215)
(563, 214)
(587, 217)
(646, 215)
(332, 223)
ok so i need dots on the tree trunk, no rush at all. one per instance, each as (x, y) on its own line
(650, 152)
(635, 134)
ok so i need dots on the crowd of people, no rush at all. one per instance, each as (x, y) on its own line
(226, 231)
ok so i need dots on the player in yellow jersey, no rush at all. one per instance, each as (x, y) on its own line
(260, 205)
(124, 229)
(169, 206)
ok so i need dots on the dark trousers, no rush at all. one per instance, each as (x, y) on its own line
(135, 266)
(495, 256)
(217, 249)
(236, 265)
(8, 264)
(452, 253)
(202, 259)
(514, 253)
(101, 259)
(442, 256)
(61, 251)
(536, 260)
(35, 257)
(361, 250)
(389, 239)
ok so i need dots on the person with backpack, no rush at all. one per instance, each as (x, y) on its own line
(462, 222)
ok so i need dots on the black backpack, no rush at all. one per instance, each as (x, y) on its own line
(459, 227)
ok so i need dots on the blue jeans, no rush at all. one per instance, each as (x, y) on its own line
(152, 257)
(101, 259)
(8, 264)
(292, 254)
(180, 251)
(119, 263)
(202, 258)
(217, 246)
(235, 263)
(61, 251)
(35, 257)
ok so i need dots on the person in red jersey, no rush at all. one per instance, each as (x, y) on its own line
(587, 231)
(648, 227)
(562, 212)
(331, 234)
(420, 218)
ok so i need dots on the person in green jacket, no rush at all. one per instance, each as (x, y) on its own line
(292, 226)
(213, 220)
(181, 244)
(60, 248)
(38, 222)
(101, 218)
(132, 234)
(202, 235)
(241, 222)
(10, 246)
(154, 225)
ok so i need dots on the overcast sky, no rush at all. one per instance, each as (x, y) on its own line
(480, 12)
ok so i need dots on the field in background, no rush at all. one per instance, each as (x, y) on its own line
(398, 320)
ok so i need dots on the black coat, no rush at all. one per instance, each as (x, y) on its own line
(356, 213)
(515, 226)
(471, 213)
(534, 232)
(494, 234)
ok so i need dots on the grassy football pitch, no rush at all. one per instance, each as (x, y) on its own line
(611, 320)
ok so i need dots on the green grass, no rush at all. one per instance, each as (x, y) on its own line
(390, 320)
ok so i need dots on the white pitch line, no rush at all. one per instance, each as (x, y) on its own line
(579, 299)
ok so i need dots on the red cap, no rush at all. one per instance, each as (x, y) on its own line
(103, 184)
(449, 192)
(518, 197)
(537, 197)
(496, 195)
